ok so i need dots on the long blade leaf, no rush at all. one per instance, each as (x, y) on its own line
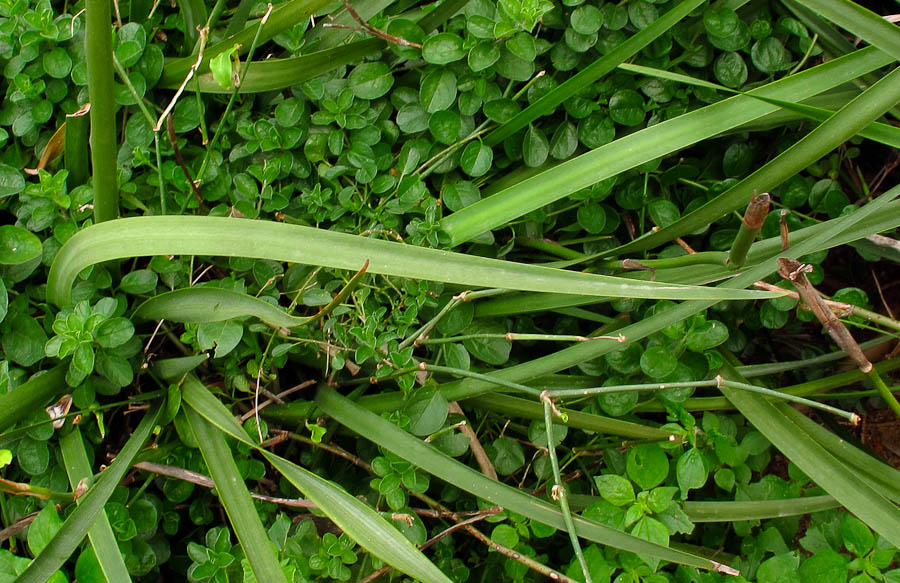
(846, 486)
(591, 74)
(235, 497)
(24, 399)
(651, 143)
(101, 535)
(420, 454)
(231, 237)
(76, 526)
(359, 521)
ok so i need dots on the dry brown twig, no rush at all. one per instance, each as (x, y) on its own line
(366, 27)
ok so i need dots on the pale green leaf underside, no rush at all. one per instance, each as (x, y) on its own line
(231, 237)
(359, 521)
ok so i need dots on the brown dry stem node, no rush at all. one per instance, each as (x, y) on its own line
(795, 272)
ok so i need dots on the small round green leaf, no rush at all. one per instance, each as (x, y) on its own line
(691, 471)
(476, 159)
(730, 69)
(770, 56)
(444, 125)
(443, 48)
(506, 454)
(647, 465)
(18, 245)
(57, 63)
(615, 489)
(438, 90)
(564, 141)
(586, 19)
(11, 181)
(522, 46)
(535, 147)
(370, 80)
(626, 106)
(483, 55)
(592, 218)
(658, 362)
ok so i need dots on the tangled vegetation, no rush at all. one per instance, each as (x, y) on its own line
(449, 291)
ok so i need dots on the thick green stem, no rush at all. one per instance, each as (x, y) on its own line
(750, 226)
(98, 50)
(884, 391)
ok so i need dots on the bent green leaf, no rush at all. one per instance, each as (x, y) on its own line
(231, 237)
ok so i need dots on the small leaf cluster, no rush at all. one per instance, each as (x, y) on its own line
(96, 338)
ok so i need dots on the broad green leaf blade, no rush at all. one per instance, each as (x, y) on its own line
(516, 407)
(83, 517)
(420, 454)
(883, 476)
(879, 132)
(233, 493)
(844, 484)
(757, 509)
(173, 369)
(231, 237)
(730, 511)
(591, 74)
(651, 143)
(101, 535)
(822, 238)
(359, 521)
(32, 394)
(276, 74)
(282, 18)
(844, 124)
(212, 304)
(861, 21)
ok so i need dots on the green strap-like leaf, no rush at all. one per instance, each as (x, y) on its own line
(359, 521)
(242, 514)
(823, 237)
(845, 485)
(276, 74)
(101, 535)
(595, 71)
(83, 517)
(212, 304)
(24, 399)
(420, 454)
(860, 112)
(651, 143)
(231, 237)
(861, 21)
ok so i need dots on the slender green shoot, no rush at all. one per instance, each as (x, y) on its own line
(559, 491)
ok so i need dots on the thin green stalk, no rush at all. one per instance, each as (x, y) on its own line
(513, 336)
(210, 148)
(98, 53)
(550, 247)
(428, 326)
(852, 417)
(701, 258)
(123, 75)
(884, 391)
(482, 377)
(559, 491)
(716, 382)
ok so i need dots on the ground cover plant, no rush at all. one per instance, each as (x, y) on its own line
(449, 291)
